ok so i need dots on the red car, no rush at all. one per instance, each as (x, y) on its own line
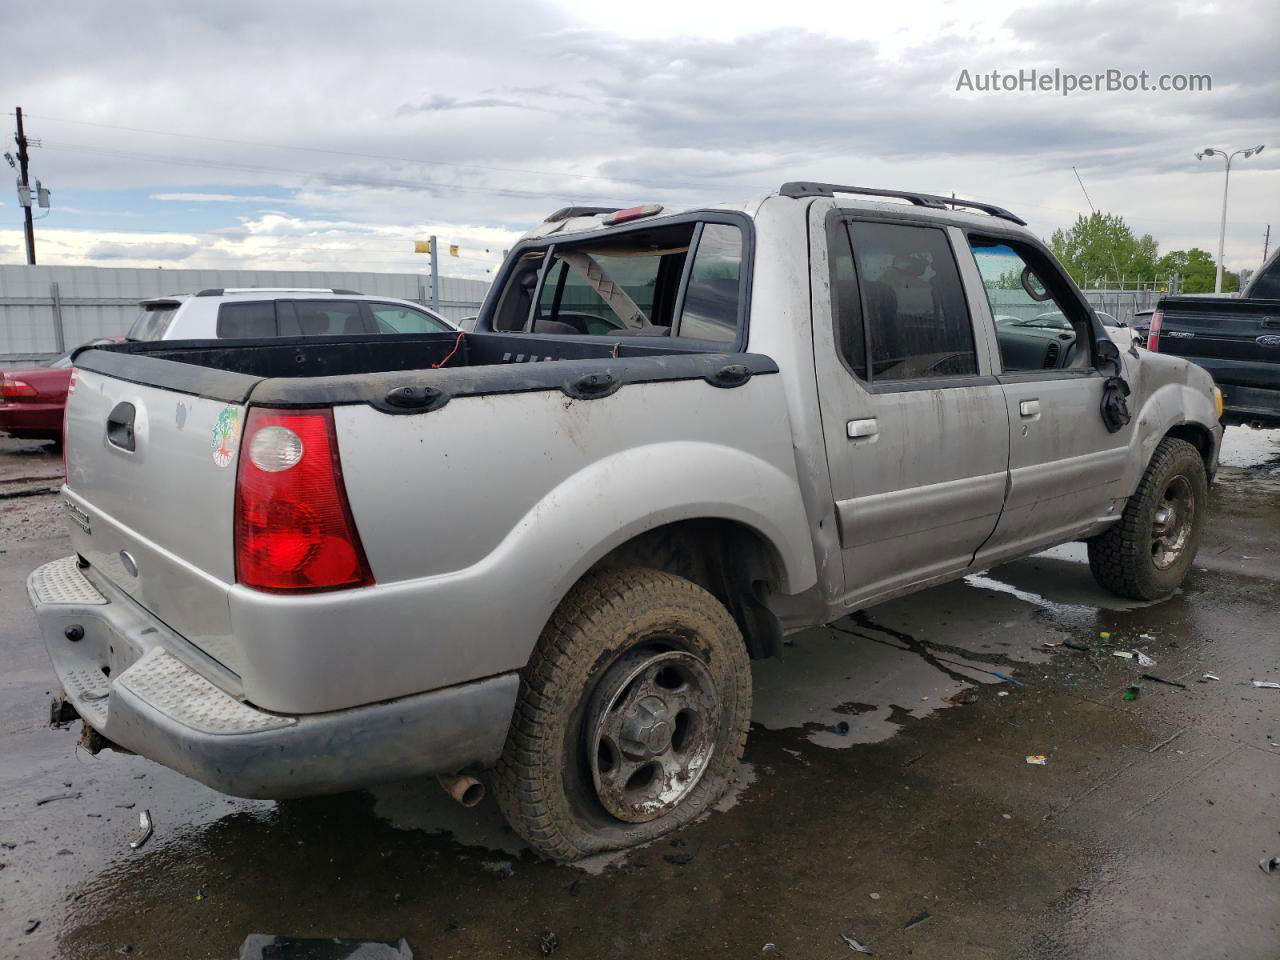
(32, 401)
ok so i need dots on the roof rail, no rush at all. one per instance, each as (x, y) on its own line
(566, 213)
(221, 291)
(805, 188)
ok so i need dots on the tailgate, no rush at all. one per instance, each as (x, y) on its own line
(1234, 330)
(150, 499)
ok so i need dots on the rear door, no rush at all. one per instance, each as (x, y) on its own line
(1064, 466)
(151, 497)
(915, 422)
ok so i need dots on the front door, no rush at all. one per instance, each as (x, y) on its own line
(1065, 468)
(915, 422)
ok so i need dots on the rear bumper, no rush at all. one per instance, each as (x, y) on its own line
(1250, 405)
(145, 688)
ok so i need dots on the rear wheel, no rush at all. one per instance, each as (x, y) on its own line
(631, 718)
(1148, 553)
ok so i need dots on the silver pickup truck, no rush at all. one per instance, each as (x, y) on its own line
(550, 547)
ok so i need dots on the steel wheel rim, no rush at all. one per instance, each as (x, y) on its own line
(651, 732)
(1171, 525)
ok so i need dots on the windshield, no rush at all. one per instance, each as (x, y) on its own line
(153, 322)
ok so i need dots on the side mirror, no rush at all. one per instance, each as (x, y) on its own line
(1108, 356)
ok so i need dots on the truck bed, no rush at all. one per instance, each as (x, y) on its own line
(424, 368)
(455, 477)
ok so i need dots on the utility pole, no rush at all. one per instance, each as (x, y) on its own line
(25, 188)
(435, 275)
(1266, 243)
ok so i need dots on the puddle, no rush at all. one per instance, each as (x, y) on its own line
(1245, 447)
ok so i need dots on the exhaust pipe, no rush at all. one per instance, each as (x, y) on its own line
(468, 791)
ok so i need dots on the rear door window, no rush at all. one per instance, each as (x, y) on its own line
(396, 318)
(328, 318)
(247, 321)
(913, 303)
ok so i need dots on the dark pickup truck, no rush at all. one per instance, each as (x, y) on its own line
(1237, 339)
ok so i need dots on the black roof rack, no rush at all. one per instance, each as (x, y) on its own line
(567, 213)
(805, 188)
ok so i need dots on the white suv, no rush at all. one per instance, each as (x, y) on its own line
(253, 313)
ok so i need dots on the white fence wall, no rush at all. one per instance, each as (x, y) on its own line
(46, 310)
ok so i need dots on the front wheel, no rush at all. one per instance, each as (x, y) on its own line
(1147, 554)
(631, 718)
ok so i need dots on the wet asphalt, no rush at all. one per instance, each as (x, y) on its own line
(885, 795)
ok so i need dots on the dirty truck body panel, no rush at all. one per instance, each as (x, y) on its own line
(482, 476)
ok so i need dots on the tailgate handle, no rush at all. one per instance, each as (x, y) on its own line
(120, 426)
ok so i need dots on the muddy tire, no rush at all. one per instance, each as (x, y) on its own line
(631, 718)
(1148, 553)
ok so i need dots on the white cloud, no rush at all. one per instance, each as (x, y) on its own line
(500, 112)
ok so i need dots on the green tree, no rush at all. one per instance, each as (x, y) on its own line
(1198, 271)
(1103, 248)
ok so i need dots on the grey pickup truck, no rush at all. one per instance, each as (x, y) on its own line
(549, 548)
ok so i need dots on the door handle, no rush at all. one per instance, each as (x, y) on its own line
(120, 426)
(1029, 408)
(861, 429)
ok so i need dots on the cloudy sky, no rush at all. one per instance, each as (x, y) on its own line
(226, 133)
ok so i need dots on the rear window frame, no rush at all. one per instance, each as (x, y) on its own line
(171, 308)
(547, 245)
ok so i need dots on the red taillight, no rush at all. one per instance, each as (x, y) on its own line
(1153, 335)
(632, 213)
(12, 389)
(294, 530)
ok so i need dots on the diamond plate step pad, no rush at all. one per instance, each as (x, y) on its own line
(164, 682)
(62, 582)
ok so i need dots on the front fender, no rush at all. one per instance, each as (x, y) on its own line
(1171, 392)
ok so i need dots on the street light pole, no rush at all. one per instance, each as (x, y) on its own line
(1226, 182)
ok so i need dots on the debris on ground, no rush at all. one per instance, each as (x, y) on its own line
(1038, 760)
(260, 946)
(1270, 865)
(1006, 678)
(963, 695)
(1105, 634)
(32, 927)
(771, 950)
(1143, 659)
(1127, 654)
(1267, 684)
(61, 796)
(854, 945)
(1132, 691)
(548, 943)
(145, 829)
(918, 919)
(1169, 683)
(1073, 644)
(1003, 693)
(875, 896)
(1210, 676)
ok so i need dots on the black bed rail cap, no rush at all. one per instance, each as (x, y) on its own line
(807, 188)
